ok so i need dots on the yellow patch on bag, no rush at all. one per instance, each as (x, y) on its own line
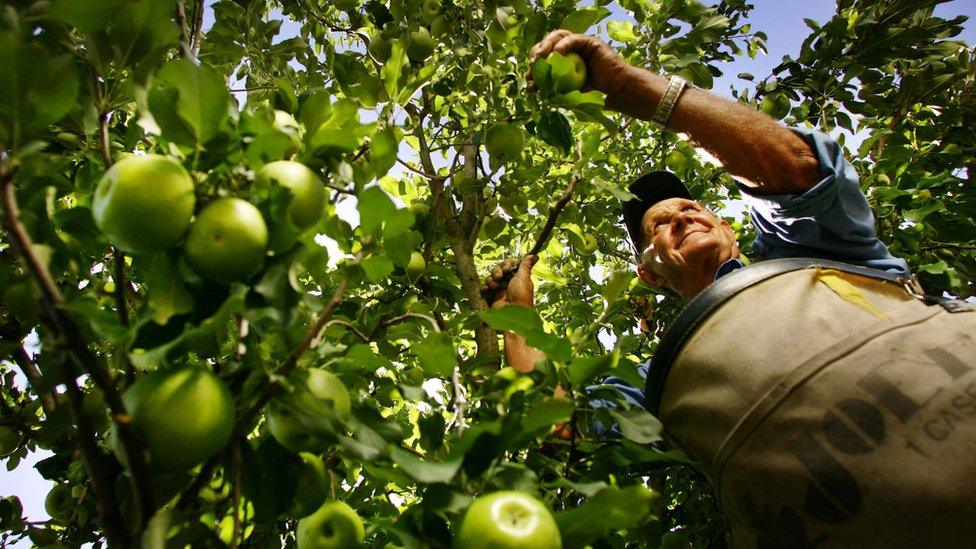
(835, 280)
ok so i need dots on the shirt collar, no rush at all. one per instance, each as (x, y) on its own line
(728, 267)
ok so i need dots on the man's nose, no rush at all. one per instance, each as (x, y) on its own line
(680, 218)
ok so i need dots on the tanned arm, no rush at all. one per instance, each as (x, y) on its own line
(759, 151)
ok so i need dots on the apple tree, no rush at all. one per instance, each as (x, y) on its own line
(244, 243)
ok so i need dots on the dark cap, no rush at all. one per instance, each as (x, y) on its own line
(650, 189)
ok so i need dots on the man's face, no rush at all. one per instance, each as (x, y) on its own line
(683, 243)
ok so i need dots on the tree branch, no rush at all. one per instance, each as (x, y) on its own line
(397, 319)
(423, 174)
(63, 324)
(546, 231)
(48, 400)
(242, 425)
(185, 49)
(947, 246)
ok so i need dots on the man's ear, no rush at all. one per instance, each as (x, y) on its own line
(652, 279)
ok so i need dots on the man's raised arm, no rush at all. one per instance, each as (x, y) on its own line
(752, 146)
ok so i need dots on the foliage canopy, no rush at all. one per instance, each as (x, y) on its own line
(435, 420)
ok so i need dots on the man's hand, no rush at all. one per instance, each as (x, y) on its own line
(519, 289)
(606, 70)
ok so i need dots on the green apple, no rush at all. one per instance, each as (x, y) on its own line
(568, 77)
(227, 241)
(504, 142)
(284, 123)
(334, 526)
(379, 47)
(315, 391)
(420, 44)
(346, 5)
(416, 267)
(307, 200)
(589, 244)
(183, 416)
(9, 441)
(440, 26)
(776, 105)
(676, 161)
(508, 520)
(59, 503)
(144, 204)
(313, 486)
(430, 9)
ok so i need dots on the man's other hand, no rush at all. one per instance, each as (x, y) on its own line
(519, 289)
(607, 71)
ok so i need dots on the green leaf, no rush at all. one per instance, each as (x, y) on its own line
(363, 357)
(355, 80)
(554, 129)
(584, 18)
(436, 355)
(393, 68)
(136, 31)
(426, 471)
(37, 90)
(374, 207)
(377, 267)
(637, 425)
(616, 284)
(526, 323)
(583, 369)
(382, 151)
(189, 102)
(611, 509)
(340, 130)
(546, 413)
(167, 295)
(542, 76)
(86, 15)
(622, 31)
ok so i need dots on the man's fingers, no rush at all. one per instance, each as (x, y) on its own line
(544, 47)
(579, 43)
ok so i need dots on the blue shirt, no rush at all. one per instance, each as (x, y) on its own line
(831, 220)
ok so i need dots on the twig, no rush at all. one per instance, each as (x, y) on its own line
(242, 425)
(349, 325)
(102, 482)
(433, 323)
(236, 495)
(459, 401)
(185, 50)
(197, 27)
(118, 258)
(947, 246)
(253, 88)
(421, 173)
(63, 323)
(543, 237)
(48, 400)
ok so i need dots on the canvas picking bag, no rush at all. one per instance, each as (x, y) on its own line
(828, 406)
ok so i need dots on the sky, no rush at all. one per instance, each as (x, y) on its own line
(781, 20)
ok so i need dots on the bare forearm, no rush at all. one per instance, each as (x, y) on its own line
(519, 355)
(752, 146)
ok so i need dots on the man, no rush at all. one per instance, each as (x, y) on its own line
(805, 197)
(813, 391)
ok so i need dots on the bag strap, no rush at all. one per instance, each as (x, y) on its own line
(701, 306)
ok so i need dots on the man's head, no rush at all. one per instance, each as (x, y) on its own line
(679, 243)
